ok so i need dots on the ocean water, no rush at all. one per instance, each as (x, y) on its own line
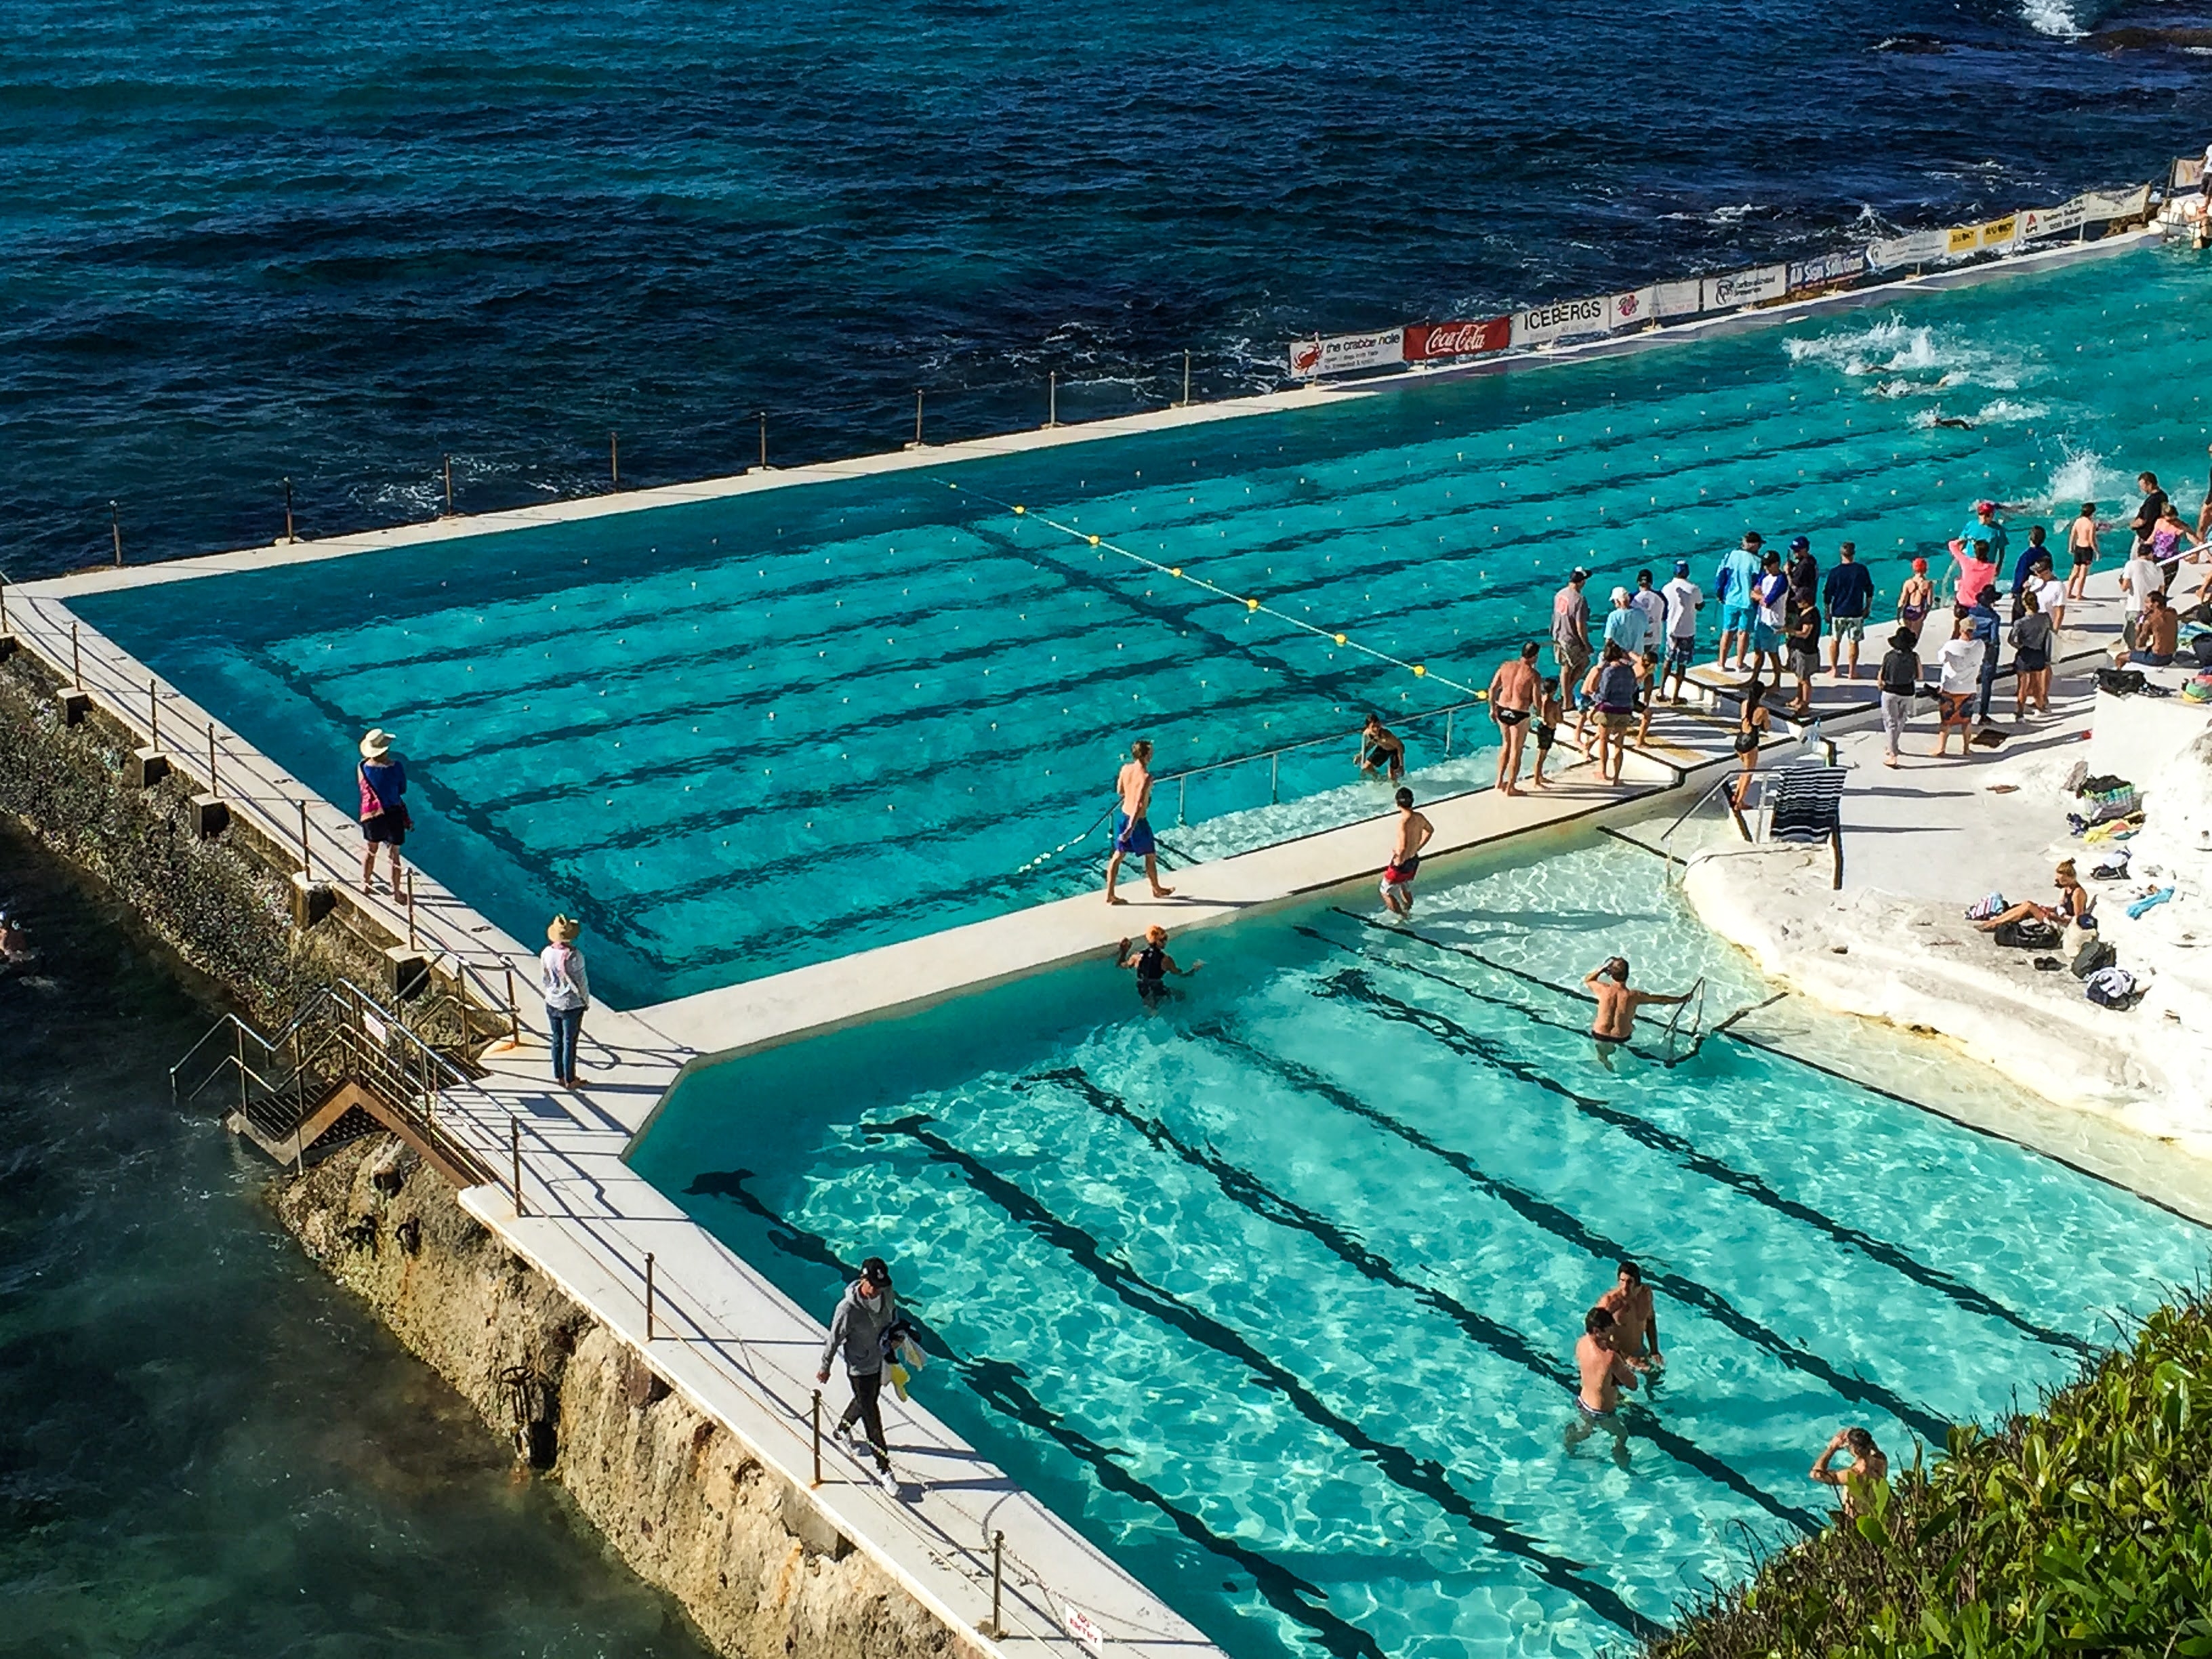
(335, 241)
(742, 735)
(1275, 1291)
(206, 1447)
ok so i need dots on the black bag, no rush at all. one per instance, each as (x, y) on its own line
(2096, 953)
(2028, 933)
(2201, 645)
(2121, 682)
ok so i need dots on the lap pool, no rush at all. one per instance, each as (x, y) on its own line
(1274, 1293)
(752, 733)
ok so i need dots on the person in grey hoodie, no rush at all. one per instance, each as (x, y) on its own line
(867, 1307)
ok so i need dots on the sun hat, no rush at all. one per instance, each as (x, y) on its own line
(562, 930)
(1620, 594)
(1903, 639)
(376, 744)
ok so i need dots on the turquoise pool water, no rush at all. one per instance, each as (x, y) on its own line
(742, 735)
(1275, 1293)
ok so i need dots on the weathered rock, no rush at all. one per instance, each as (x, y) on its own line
(758, 1567)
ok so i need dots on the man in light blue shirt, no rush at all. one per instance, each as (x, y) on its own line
(1625, 625)
(1983, 527)
(1732, 588)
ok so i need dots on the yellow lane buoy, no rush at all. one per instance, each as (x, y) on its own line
(1339, 639)
(1419, 671)
(1251, 605)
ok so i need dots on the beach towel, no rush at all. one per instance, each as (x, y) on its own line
(2150, 902)
(1982, 909)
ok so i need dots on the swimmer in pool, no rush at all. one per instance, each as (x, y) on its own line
(1381, 750)
(1603, 1374)
(1413, 834)
(1635, 1321)
(1870, 1469)
(1615, 1021)
(1154, 965)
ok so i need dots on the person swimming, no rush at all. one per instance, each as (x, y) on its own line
(1154, 965)
(1615, 1020)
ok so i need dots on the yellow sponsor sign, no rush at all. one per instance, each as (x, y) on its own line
(1998, 232)
(1965, 239)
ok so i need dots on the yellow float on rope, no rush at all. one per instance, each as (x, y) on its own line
(1094, 541)
(1251, 605)
(1339, 639)
(1019, 511)
(1177, 571)
(1482, 696)
(1419, 671)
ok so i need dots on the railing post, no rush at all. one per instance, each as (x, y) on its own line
(288, 536)
(411, 907)
(449, 486)
(1051, 407)
(763, 437)
(917, 417)
(648, 1296)
(818, 1436)
(513, 1009)
(307, 860)
(998, 1583)
(212, 788)
(239, 1033)
(1186, 379)
(153, 714)
(76, 661)
(115, 526)
(1447, 733)
(614, 458)
(1182, 798)
(515, 1152)
(1275, 778)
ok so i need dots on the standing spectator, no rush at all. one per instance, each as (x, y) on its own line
(1570, 640)
(1898, 677)
(1549, 713)
(567, 993)
(2050, 597)
(1614, 685)
(1801, 633)
(2030, 644)
(385, 820)
(1849, 591)
(2081, 544)
(1978, 569)
(1653, 604)
(1989, 628)
(1735, 590)
(1804, 571)
(1915, 600)
(2023, 568)
(1684, 600)
(1958, 675)
(1625, 624)
(2145, 523)
(864, 1313)
(1983, 527)
(1770, 615)
(1512, 699)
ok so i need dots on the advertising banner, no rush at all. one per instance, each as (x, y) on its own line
(1632, 309)
(2037, 223)
(2098, 206)
(1426, 342)
(1744, 287)
(2188, 171)
(1337, 354)
(1826, 268)
(1962, 240)
(1921, 247)
(1672, 300)
(1542, 325)
(1997, 234)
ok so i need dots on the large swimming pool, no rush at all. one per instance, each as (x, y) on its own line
(1274, 1293)
(745, 734)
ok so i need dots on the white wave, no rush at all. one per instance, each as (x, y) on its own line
(2081, 476)
(2006, 412)
(1732, 215)
(1894, 346)
(2052, 17)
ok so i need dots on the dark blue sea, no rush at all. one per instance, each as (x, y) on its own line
(244, 241)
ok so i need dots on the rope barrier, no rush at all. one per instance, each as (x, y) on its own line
(1257, 607)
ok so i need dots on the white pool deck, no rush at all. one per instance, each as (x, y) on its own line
(723, 1336)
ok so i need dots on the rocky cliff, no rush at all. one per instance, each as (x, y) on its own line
(681, 1500)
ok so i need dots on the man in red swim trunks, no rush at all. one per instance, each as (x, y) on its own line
(1414, 833)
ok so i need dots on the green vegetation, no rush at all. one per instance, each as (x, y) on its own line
(2082, 1529)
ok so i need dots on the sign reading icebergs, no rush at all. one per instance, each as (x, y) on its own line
(1337, 354)
(1426, 342)
(1542, 325)
(1744, 287)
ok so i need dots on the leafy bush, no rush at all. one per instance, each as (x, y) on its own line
(2082, 1529)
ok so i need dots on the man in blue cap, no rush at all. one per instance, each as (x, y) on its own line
(1804, 571)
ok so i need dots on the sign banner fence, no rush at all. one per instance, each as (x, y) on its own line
(1607, 313)
(1426, 342)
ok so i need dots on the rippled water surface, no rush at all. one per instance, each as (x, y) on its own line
(206, 1447)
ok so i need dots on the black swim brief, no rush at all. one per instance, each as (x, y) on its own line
(1508, 716)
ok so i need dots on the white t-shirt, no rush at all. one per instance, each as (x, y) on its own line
(1683, 597)
(1653, 604)
(1959, 667)
(2050, 596)
(2141, 575)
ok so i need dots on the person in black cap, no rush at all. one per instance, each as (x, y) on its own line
(1570, 640)
(864, 1313)
(1804, 571)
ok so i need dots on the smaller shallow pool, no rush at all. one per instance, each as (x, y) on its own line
(1275, 1292)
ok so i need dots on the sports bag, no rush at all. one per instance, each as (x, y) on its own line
(2111, 988)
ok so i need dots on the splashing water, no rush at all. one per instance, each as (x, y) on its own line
(1894, 348)
(2052, 17)
(2083, 476)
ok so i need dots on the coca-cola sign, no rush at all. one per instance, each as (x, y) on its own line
(1426, 342)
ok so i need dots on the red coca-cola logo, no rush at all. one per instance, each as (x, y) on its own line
(1458, 339)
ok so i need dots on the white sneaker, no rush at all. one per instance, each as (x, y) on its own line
(889, 1482)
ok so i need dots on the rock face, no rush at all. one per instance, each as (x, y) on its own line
(750, 1557)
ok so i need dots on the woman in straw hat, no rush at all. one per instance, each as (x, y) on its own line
(384, 817)
(568, 994)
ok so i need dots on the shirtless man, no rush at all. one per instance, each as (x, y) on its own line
(1512, 697)
(1414, 833)
(1603, 1374)
(1869, 1467)
(1131, 833)
(1381, 748)
(1634, 1319)
(1616, 1003)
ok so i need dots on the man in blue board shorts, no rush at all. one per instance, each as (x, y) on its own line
(1133, 834)
(1732, 586)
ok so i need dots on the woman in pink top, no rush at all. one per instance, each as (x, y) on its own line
(1977, 570)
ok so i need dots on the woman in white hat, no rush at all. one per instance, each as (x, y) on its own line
(385, 820)
(568, 994)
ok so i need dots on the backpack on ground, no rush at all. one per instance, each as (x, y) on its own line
(2121, 682)
(2111, 988)
(2028, 933)
(2094, 956)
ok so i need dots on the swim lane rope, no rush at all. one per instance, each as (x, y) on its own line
(1252, 606)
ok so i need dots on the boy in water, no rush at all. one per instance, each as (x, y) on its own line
(1870, 1469)
(1602, 1374)
(1414, 833)
(1380, 748)
(1131, 833)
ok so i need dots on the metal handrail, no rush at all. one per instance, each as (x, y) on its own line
(1667, 836)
